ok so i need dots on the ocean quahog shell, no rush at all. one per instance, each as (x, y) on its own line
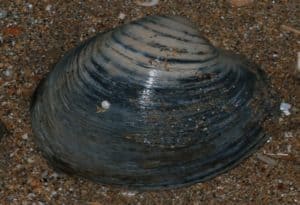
(150, 104)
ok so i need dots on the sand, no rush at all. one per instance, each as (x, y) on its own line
(35, 34)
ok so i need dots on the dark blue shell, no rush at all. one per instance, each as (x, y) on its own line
(151, 104)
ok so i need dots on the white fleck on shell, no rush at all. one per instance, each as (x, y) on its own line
(105, 104)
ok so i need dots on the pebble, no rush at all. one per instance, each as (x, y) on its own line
(48, 7)
(30, 161)
(121, 16)
(8, 72)
(285, 108)
(53, 194)
(266, 159)
(288, 134)
(25, 136)
(31, 195)
(92, 30)
(129, 193)
(148, 3)
(3, 13)
(29, 6)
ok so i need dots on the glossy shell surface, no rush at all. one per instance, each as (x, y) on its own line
(151, 104)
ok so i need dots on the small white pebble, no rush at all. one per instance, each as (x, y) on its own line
(105, 104)
(148, 3)
(220, 187)
(285, 108)
(30, 161)
(19, 166)
(92, 30)
(30, 6)
(25, 136)
(129, 193)
(121, 16)
(48, 7)
(288, 134)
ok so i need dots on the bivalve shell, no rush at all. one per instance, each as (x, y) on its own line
(151, 104)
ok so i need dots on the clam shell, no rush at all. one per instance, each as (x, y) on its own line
(151, 104)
